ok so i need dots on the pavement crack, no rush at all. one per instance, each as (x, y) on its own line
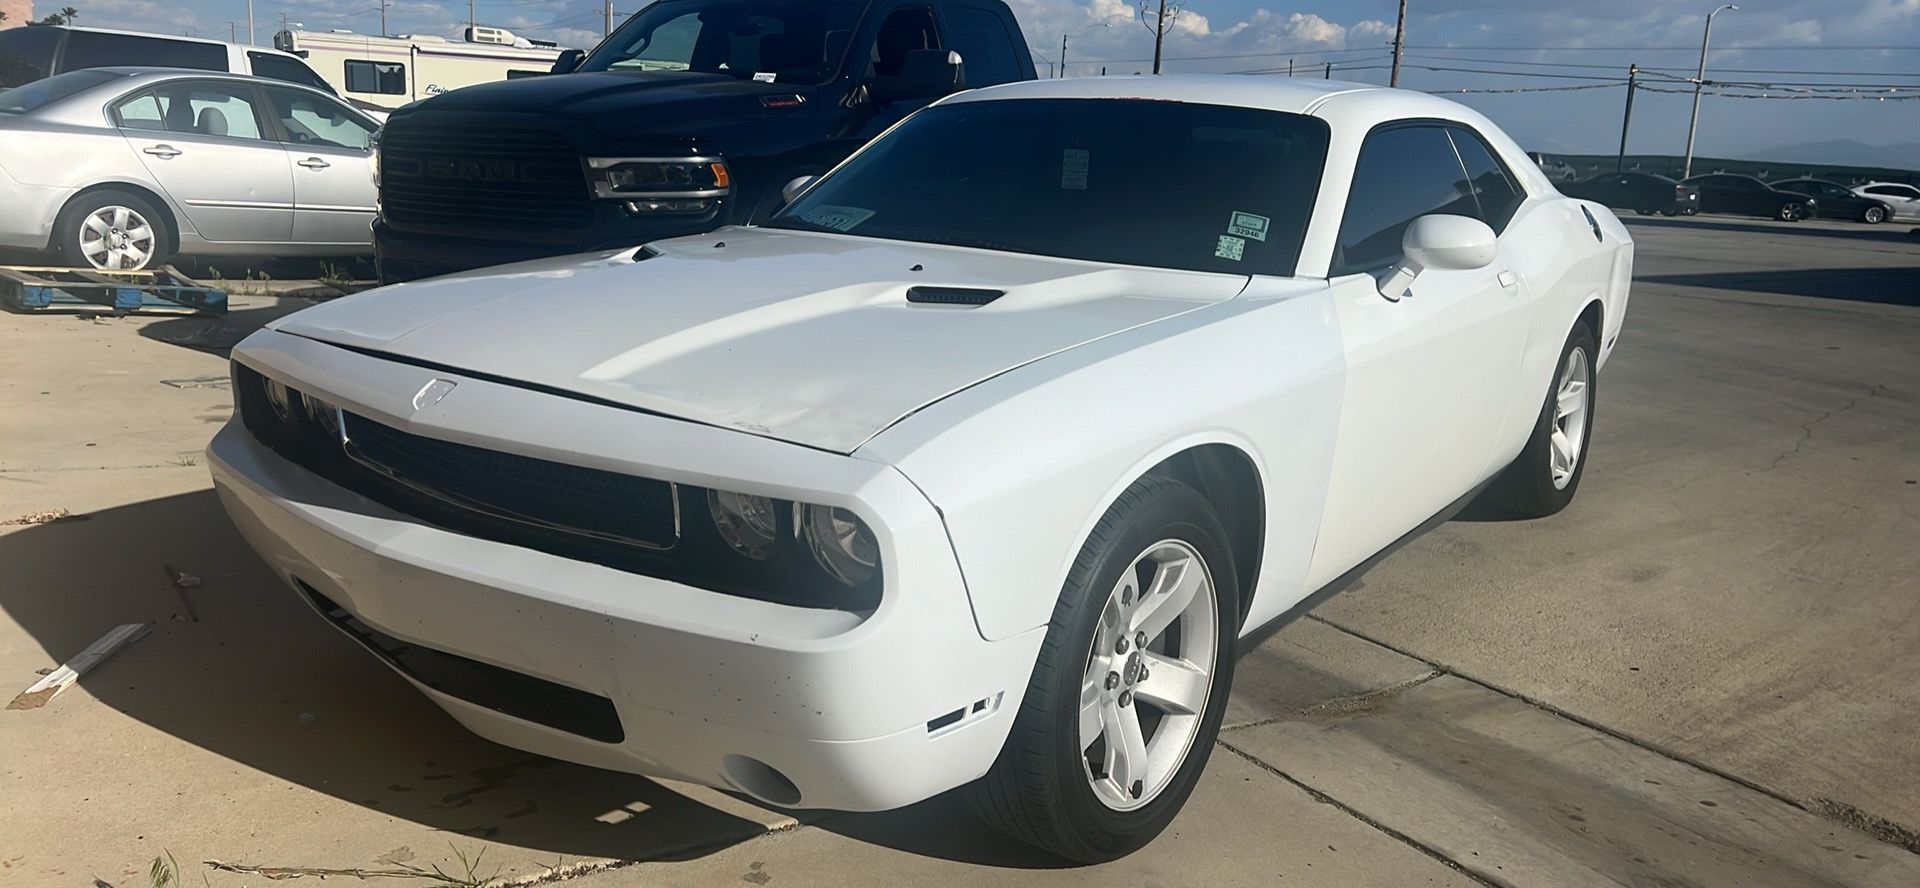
(1806, 428)
(1344, 707)
(1356, 814)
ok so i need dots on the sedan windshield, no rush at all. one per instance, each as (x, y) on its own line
(1131, 182)
(780, 41)
(40, 93)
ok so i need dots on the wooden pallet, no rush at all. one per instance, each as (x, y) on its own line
(26, 288)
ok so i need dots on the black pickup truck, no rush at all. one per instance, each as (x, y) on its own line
(692, 115)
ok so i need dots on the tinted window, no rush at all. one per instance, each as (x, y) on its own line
(1402, 174)
(785, 41)
(280, 67)
(205, 109)
(1494, 188)
(985, 47)
(904, 30)
(91, 49)
(377, 78)
(26, 54)
(313, 120)
(40, 93)
(1072, 184)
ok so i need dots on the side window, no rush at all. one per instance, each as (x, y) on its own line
(208, 109)
(1499, 197)
(280, 67)
(986, 49)
(141, 112)
(1403, 173)
(94, 49)
(312, 120)
(376, 78)
(903, 31)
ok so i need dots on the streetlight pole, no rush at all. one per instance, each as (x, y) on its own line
(1686, 169)
(251, 39)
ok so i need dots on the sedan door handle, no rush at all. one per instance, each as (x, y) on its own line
(1509, 280)
(314, 163)
(165, 152)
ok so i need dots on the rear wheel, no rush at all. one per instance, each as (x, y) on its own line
(1543, 479)
(1130, 685)
(112, 231)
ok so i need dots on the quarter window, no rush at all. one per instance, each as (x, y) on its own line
(376, 78)
(985, 47)
(1492, 185)
(1403, 173)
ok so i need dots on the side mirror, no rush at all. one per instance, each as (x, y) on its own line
(568, 61)
(1447, 243)
(792, 189)
(924, 74)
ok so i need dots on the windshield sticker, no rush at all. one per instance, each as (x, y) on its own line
(1230, 247)
(764, 76)
(1073, 168)
(1248, 225)
(837, 218)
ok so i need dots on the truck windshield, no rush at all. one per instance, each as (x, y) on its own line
(778, 41)
(1131, 182)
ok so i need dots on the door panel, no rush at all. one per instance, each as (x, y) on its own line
(201, 141)
(327, 149)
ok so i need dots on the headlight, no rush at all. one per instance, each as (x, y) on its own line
(373, 155)
(660, 184)
(746, 523)
(841, 543)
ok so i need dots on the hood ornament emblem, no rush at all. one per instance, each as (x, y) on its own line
(432, 393)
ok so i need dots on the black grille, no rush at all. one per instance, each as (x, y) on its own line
(483, 684)
(464, 177)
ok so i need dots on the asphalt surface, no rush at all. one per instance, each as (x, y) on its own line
(1703, 673)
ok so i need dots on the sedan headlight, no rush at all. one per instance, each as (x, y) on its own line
(841, 543)
(660, 184)
(802, 541)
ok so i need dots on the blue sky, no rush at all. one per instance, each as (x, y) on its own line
(1765, 35)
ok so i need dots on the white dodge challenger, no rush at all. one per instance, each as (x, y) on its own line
(975, 466)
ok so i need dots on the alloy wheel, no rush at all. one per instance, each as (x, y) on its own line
(1569, 418)
(115, 238)
(1149, 674)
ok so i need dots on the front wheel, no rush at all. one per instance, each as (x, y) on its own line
(1130, 685)
(1874, 215)
(1789, 213)
(1543, 479)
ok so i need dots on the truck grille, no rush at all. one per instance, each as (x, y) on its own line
(467, 177)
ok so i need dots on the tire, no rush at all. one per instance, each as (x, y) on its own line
(1534, 484)
(129, 246)
(1874, 215)
(1789, 213)
(1043, 790)
(1644, 212)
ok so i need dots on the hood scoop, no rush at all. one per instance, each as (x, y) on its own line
(965, 297)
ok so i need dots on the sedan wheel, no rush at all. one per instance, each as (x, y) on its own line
(116, 238)
(1569, 436)
(1129, 686)
(1543, 478)
(1148, 675)
(1874, 215)
(1789, 213)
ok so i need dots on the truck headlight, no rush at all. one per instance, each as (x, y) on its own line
(660, 184)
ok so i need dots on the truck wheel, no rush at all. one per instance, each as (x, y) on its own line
(112, 231)
(1130, 685)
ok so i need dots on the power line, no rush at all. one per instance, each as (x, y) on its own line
(1243, 55)
(1827, 48)
(1616, 67)
(1840, 98)
(1529, 89)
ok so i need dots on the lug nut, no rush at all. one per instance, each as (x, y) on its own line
(1120, 647)
(1142, 677)
(1126, 698)
(1140, 639)
(1113, 680)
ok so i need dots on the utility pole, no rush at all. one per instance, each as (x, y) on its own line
(1289, 67)
(233, 35)
(470, 21)
(1329, 70)
(1700, 81)
(1399, 43)
(252, 40)
(606, 13)
(1062, 70)
(383, 18)
(1159, 33)
(1626, 120)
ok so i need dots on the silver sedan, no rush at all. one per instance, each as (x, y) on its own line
(119, 168)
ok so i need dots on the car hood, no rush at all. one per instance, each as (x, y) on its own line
(620, 104)
(804, 337)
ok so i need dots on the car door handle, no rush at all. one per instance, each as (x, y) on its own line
(314, 163)
(165, 152)
(1509, 280)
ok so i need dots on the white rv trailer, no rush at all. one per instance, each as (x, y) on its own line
(387, 72)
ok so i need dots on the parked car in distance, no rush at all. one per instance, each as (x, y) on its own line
(1901, 198)
(692, 115)
(1556, 167)
(378, 74)
(1644, 193)
(1747, 196)
(35, 51)
(120, 168)
(1835, 201)
(862, 504)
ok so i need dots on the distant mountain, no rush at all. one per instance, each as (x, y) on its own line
(1842, 152)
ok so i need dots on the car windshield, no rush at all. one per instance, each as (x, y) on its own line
(40, 93)
(1132, 182)
(779, 41)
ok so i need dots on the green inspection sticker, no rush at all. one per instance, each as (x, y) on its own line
(1230, 247)
(1248, 225)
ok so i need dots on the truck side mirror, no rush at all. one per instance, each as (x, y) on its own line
(568, 61)
(924, 74)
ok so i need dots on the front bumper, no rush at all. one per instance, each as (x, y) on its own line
(850, 711)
